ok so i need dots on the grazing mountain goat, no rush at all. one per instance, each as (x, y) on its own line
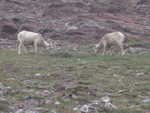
(117, 38)
(27, 37)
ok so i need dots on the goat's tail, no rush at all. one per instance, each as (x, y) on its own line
(17, 41)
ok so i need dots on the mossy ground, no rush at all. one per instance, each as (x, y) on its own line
(125, 78)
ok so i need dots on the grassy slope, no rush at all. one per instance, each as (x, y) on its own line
(110, 74)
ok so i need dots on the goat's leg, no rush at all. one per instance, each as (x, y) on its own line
(54, 44)
(104, 45)
(96, 50)
(111, 51)
(122, 49)
(19, 48)
(35, 47)
(51, 44)
(25, 49)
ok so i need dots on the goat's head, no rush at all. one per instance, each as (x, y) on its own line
(96, 48)
(47, 45)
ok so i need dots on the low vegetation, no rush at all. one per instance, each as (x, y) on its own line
(88, 77)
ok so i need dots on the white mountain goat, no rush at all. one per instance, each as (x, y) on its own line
(117, 38)
(27, 37)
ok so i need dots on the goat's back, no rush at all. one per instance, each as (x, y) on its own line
(28, 36)
(114, 37)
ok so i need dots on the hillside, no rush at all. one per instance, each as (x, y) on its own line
(75, 21)
(72, 79)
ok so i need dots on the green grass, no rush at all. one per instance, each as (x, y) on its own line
(108, 73)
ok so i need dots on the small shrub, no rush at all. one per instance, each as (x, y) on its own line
(62, 53)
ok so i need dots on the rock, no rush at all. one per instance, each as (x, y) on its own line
(105, 99)
(38, 74)
(19, 111)
(136, 72)
(135, 50)
(19, 106)
(70, 27)
(110, 106)
(84, 109)
(140, 73)
(104, 103)
(44, 93)
(146, 100)
(54, 111)
(57, 103)
(101, 104)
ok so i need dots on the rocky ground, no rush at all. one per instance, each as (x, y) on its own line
(61, 81)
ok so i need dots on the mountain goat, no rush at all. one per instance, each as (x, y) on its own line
(27, 37)
(117, 38)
